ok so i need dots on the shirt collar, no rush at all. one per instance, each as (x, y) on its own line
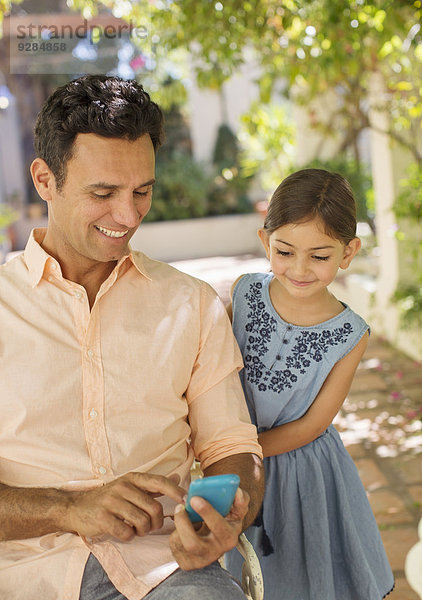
(138, 259)
(36, 258)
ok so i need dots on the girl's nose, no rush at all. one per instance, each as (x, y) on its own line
(300, 266)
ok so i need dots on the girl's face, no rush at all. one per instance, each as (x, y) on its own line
(304, 259)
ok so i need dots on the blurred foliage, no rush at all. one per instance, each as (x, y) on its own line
(180, 189)
(7, 217)
(267, 136)
(188, 189)
(409, 201)
(409, 299)
(5, 7)
(408, 210)
(300, 46)
(228, 191)
(360, 179)
(226, 150)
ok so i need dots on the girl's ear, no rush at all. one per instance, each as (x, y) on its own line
(350, 252)
(43, 178)
(265, 241)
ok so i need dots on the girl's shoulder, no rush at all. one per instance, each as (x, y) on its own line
(349, 314)
(359, 324)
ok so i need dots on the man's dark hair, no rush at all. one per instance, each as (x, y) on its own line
(107, 106)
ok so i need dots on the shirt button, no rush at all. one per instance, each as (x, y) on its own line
(289, 327)
(285, 341)
(278, 357)
(54, 266)
(51, 278)
(90, 353)
(102, 470)
(93, 413)
(78, 295)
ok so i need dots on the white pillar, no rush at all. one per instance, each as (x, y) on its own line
(310, 142)
(384, 188)
(207, 113)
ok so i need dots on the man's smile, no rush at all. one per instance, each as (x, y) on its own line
(110, 232)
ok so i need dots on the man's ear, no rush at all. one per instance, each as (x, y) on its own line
(265, 241)
(43, 178)
(350, 252)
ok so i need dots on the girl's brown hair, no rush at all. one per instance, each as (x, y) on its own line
(314, 193)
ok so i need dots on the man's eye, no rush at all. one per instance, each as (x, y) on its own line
(141, 193)
(102, 196)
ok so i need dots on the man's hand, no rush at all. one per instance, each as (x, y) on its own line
(122, 508)
(197, 548)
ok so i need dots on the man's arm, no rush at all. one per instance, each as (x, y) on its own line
(250, 470)
(31, 512)
(196, 548)
(122, 508)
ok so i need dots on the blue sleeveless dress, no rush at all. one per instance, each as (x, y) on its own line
(316, 536)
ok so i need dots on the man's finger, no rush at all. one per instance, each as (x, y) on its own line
(157, 484)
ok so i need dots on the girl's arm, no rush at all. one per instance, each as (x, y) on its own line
(321, 412)
(229, 307)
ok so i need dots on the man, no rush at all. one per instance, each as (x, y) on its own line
(115, 371)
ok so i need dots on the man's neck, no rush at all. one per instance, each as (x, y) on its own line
(90, 274)
(91, 279)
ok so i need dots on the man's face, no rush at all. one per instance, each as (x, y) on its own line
(106, 194)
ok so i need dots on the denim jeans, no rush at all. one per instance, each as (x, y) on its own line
(209, 583)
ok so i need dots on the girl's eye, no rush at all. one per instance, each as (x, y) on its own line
(283, 253)
(321, 257)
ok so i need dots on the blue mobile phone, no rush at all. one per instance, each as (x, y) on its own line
(218, 490)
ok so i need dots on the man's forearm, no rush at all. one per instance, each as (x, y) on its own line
(251, 472)
(31, 512)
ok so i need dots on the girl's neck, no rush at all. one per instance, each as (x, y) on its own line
(304, 312)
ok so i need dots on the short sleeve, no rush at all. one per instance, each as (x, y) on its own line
(218, 415)
(218, 353)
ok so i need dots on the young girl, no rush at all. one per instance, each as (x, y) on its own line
(316, 536)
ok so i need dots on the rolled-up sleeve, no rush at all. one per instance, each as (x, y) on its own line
(218, 416)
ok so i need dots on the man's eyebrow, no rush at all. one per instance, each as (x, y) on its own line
(110, 186)
(316, 248)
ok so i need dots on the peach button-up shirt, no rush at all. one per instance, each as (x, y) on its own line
(144, 381)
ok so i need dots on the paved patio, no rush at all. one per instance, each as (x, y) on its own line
(380, 424)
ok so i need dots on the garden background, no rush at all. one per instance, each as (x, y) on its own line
(252, 90)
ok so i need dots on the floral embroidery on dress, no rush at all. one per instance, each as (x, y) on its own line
(309, 346)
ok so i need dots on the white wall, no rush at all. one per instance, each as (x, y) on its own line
(207, 112)
(227, 235)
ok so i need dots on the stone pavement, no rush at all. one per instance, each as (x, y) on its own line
(380, 424)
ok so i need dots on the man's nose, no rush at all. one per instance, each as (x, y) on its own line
(125, 211)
